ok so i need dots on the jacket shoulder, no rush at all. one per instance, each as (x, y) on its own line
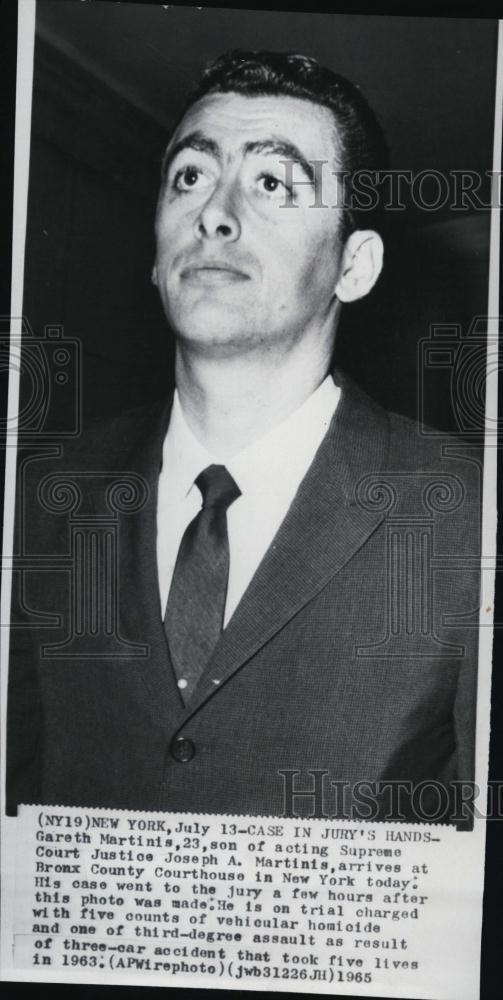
(116, 435)
(418, 445)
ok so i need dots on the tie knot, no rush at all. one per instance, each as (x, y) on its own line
(217, 487)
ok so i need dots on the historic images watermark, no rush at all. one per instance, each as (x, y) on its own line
(313, 793)
(458, 363)
(414, 504)
(392, 190)
(49, 368)
(50, 413)
(92, 562)
(410, 559)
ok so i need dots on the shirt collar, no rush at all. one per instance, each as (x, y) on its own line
(182, 454)
(271, 464)
(280, 458)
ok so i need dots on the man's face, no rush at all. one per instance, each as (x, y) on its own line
(243, 263)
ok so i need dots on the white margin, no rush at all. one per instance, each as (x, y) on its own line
(489, 511)
(24, 88)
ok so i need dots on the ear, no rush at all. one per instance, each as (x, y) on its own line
(361, 265)
(153, 276)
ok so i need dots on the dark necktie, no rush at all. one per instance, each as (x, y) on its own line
(196, 602)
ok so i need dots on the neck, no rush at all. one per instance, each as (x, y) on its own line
(231, 402)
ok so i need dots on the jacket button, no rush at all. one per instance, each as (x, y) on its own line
(182, 749)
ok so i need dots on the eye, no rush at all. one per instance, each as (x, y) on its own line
(189, 177)
(271, 184)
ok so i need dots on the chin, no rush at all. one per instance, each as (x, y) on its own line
(211, 325)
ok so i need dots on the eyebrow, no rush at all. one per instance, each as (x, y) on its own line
(281, 147)
(195, 140)
(274, 145)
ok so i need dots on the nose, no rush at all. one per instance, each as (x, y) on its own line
(218, 218)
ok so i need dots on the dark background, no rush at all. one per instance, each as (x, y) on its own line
(109, 83)
(471, 115)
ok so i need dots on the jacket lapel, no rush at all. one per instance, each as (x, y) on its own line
(140, 610)
(323, 529)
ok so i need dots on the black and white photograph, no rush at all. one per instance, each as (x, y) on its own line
(250, 495)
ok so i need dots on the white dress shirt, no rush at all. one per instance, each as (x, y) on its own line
(268, 472)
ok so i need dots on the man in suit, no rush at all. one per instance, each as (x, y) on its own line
(272, 636)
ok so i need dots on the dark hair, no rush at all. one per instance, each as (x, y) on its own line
(360, 137)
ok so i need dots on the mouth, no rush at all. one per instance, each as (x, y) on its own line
(213, 272)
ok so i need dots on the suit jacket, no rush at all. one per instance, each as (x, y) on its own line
(351, 657)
